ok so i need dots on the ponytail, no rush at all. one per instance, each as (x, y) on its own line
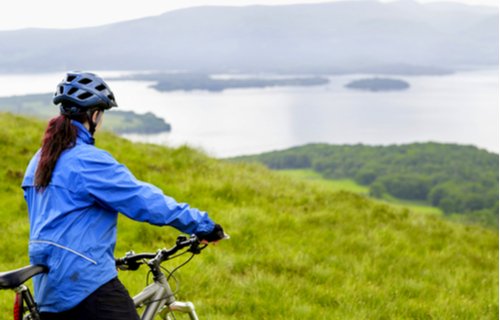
(59, 136)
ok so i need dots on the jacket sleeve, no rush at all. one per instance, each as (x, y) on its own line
(113, 185)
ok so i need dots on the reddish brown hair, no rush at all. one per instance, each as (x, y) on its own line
(59, 136)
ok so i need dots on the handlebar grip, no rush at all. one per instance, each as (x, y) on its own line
(124, 264)
(119, 262)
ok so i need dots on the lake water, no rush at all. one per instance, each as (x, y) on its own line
(459, 108)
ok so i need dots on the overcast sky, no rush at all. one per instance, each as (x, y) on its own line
(19, 14)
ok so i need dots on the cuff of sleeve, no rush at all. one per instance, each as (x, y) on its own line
(205, 226)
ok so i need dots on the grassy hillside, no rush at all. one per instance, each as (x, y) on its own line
(297, 251)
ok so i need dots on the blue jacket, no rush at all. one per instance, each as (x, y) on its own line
(73, 221)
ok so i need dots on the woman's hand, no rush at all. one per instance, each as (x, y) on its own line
(213, 236)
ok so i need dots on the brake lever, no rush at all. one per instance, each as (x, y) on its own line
(196, 249)
(180, 240)
(126, 265)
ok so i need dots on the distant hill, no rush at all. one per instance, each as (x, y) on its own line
(190, 81)
(118, 121)
(312, 253)
(378, 84)
(401, 37)
(455, 178)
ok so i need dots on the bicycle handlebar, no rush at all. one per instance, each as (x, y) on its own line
(132, 261)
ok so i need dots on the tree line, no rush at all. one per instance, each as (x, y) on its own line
(456, 178)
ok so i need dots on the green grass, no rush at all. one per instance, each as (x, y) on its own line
(417, 206)
(334, 185)
(297, 250)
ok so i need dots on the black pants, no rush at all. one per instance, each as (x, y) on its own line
(110, 302)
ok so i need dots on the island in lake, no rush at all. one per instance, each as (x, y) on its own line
(378, 84)
(40, 106)
(196, 81)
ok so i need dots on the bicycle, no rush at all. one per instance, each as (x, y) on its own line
(156, 298)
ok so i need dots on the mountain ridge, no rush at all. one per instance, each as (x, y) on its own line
(301, 38)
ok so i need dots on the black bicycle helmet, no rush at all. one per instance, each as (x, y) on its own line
(80, 91)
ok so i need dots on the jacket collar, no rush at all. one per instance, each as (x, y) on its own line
(83, 134)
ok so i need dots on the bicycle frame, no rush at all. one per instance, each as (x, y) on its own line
(159, 295)
(157, 298)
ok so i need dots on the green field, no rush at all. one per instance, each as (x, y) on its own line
(351, 186)
(298, 249)
(328, 184)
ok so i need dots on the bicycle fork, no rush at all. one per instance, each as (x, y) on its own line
(172, 305)
(163, 300)
(185, 307)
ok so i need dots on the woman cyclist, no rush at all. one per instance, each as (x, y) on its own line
(74, 192)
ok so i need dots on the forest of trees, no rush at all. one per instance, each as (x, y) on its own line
(458, 179)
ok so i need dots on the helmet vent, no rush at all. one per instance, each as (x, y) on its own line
(70, 78)
(85, 95)
(61, 89)
(100, 87)
(85, 81)
(72, 90)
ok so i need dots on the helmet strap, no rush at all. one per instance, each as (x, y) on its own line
(92, 124)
